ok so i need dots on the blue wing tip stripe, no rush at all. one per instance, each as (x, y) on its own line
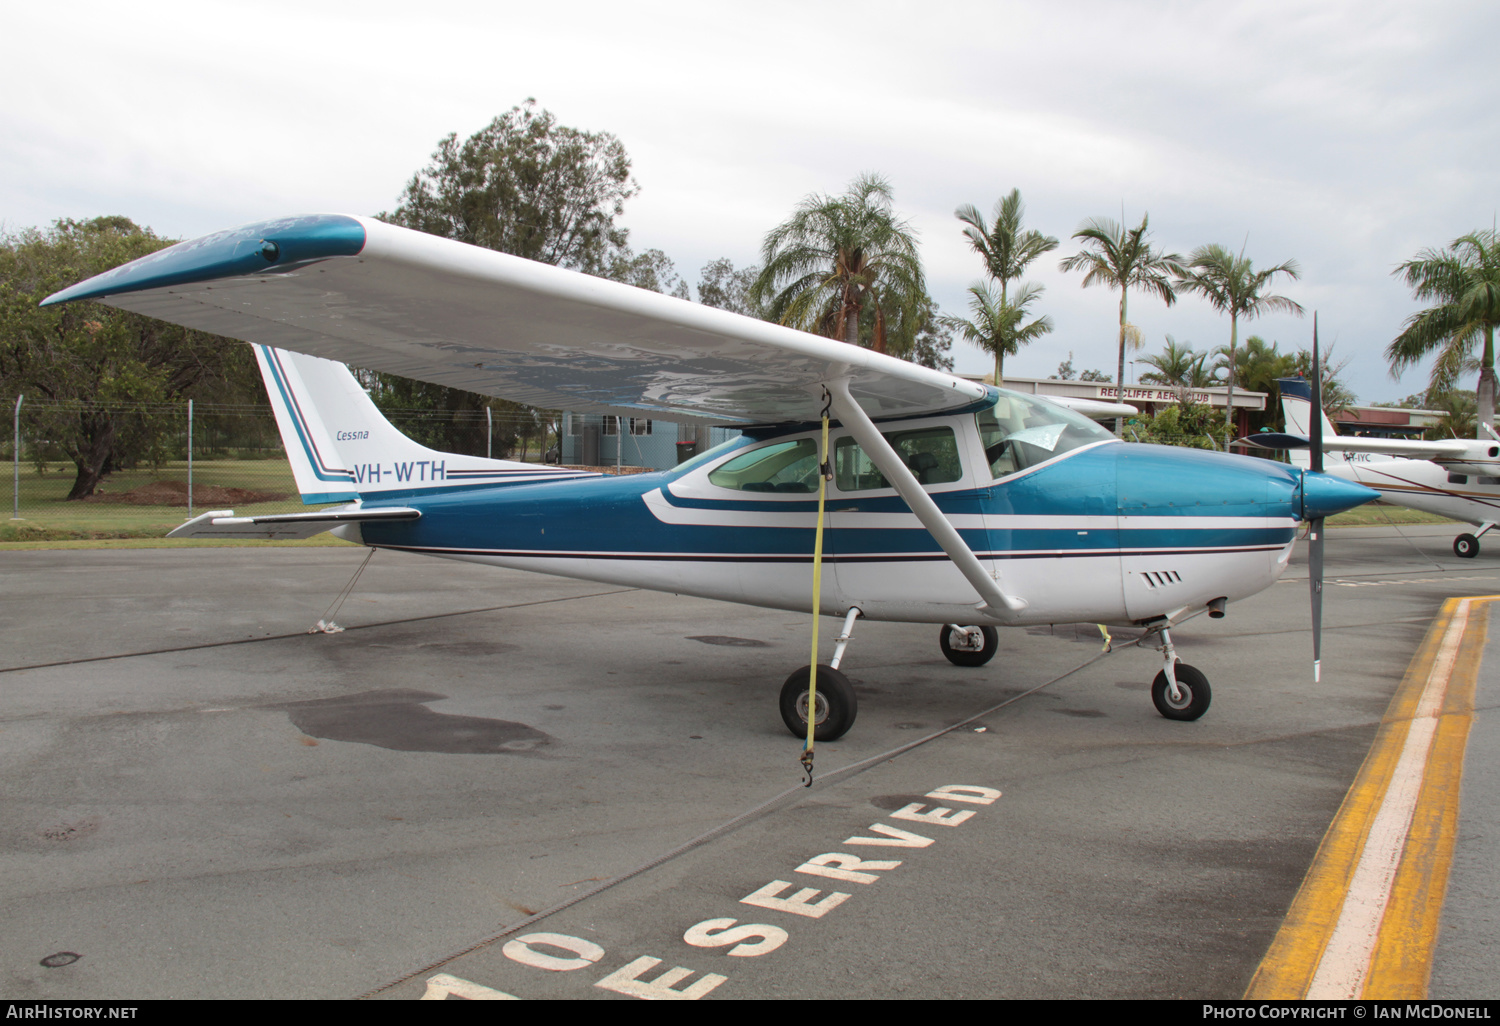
(259, 248)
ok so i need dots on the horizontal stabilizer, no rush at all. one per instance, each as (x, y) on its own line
(222, 523)
(1273, 440)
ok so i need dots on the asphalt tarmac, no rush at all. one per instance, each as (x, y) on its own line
(203, 801)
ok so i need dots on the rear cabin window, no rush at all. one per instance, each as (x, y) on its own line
(780, 467)
(930, 453)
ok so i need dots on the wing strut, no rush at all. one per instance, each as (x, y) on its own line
(1315, 527)
(995, 600)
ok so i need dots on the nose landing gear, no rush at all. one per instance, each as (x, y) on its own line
(1180, 691)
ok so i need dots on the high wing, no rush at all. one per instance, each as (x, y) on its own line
(374, 295)
(1296, 404)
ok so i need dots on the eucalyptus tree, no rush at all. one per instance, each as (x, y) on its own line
(1232, 285)
(1007, 249)
(1463, 282)
(524, 184)
(839, 257)
(108, 374)
(996, 325)
(652, 270)
(1336, 394)
(721, 286)
(1121, 258)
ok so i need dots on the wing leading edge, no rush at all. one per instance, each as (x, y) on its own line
(374, 295)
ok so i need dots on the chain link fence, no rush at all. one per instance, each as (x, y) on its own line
(173, 461)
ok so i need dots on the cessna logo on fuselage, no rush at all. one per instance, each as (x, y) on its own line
(350, 436)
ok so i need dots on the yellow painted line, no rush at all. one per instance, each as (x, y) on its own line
(1401, 964)
(1364, 922)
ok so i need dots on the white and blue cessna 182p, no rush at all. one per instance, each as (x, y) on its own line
(947, 502)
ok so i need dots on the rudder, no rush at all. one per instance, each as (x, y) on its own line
(1296, 407)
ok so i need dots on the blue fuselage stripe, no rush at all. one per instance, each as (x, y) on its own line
(607, 518)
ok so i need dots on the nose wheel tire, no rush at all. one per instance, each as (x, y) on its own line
(1193, 688)
(835, 709)
(1466, 546)
(958, 645)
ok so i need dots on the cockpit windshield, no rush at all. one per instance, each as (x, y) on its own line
(1020, 432)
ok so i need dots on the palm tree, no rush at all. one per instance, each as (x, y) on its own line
(1459, 419)
(1464, 279)
(1233, 286)
(837, 257)
(1007, 251)
(1178, 366)
(1121, 258)
(996, 327)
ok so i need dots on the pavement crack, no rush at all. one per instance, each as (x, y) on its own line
(304, 634)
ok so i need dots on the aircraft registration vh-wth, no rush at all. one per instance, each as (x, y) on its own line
(944, 501)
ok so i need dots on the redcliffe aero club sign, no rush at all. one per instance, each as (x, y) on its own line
(1150, 395)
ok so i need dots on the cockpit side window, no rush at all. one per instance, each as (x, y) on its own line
(1019, 432)
(930, 453)
(779, 467)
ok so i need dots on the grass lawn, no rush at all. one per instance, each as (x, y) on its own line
(47, 517)
(1379, 514)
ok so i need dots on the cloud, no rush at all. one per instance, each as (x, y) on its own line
(1345, 135)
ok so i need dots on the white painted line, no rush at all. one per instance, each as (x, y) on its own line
(442, 986)
(1346, 961)
(627, 980)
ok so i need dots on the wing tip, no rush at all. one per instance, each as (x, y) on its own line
(263, 246)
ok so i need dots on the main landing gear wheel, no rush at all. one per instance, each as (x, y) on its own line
(836, 704)
(1466, 546)
(961, 648)
(1193, 688)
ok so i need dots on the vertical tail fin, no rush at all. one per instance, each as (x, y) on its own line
(316, 464)
(1296, 407)
(341, 447)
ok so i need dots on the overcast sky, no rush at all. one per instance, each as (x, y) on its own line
(1346, 136)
